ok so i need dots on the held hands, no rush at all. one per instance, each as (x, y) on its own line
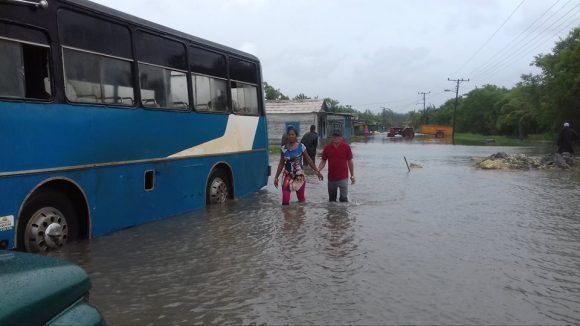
(320, 177)
(352, 179)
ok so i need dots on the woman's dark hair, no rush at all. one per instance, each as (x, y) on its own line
(291, 128)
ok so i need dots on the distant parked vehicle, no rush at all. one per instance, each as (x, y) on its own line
(408, 133)
(39, 290)
(394, 131)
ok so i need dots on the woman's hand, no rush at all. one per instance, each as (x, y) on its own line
(320, 177)
(276, 182)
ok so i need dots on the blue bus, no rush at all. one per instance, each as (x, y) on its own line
(108, 121)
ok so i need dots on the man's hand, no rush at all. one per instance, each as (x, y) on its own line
(276, 182)
(352, 179)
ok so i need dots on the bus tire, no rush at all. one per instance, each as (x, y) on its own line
(47, 222)
(218, 188)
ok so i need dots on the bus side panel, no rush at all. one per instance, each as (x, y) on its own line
(261, 143)
(179, 188)
(122, 201)
(261, 138)
(117, 198)
(250, 173)
(40, 136)
(16, 189)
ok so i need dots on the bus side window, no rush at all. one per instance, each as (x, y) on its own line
(162, 72)
(97, 59)
(210, 94)
(246, 98)
(82, 75)
(244, 75)
(162, 87)
(209, 80)
(24, 69)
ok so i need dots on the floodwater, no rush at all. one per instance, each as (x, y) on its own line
(444, 244)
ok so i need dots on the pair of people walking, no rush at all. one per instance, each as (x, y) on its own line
(340, 163)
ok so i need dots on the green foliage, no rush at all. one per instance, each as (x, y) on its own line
(479, 110)
(301, 96)
(561, 81)
(273, 93)
(334, 106)
(443, 115)
(393, 119)
(536, 104)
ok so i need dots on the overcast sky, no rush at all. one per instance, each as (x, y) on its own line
(374, 54)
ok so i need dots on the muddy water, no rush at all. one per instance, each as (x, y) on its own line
(445, 244)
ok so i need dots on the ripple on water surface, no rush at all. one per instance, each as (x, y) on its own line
(444, 244)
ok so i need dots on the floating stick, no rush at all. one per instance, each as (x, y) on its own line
(408, 168)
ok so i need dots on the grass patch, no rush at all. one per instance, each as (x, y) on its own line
(480, 140)
(273, 149)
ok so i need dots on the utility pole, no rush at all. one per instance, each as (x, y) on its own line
(384, 116)
(424, 109)
(459, 80)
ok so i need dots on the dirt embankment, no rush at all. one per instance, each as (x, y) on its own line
(503, 161)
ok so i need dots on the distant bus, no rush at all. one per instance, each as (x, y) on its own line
(108, 121)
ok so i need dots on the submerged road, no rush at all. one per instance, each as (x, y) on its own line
(445, 244)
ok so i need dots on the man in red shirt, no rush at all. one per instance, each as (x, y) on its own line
(339, 157)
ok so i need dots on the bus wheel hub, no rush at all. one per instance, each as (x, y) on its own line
(53, 235)
(46, 230)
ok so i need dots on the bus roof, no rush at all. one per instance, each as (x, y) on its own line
(160, 28)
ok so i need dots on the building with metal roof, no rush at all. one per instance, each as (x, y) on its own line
(301, 114)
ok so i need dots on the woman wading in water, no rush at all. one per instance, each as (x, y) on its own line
(291, 163)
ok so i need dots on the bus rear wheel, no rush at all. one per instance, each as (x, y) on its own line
(218, 188)
(47, 222)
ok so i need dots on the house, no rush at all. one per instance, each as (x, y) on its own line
(302, 114)
(363, 128)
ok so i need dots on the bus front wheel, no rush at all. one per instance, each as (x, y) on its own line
(47, 222)
(218, 188)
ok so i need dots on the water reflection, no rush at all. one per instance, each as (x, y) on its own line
(340, 234)
(294, 217)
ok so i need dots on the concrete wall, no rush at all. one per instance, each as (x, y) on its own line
(277, 124)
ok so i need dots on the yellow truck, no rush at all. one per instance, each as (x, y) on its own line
(439, 131)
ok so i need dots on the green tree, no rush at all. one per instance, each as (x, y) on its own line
(519, 113)
(301, 96)
(414, 119)
(273, 94)
(479, 110)
(561, 79)
(443, 115)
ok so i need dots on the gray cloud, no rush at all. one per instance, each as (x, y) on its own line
(357, 51)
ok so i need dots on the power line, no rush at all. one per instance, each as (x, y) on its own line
(539, 39)
(507, 55)
(385, 102)
(491, 37)
(526, 48)
(402, 106)
(512, 42)
(529, 50)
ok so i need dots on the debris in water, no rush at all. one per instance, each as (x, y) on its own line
(503, 161)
